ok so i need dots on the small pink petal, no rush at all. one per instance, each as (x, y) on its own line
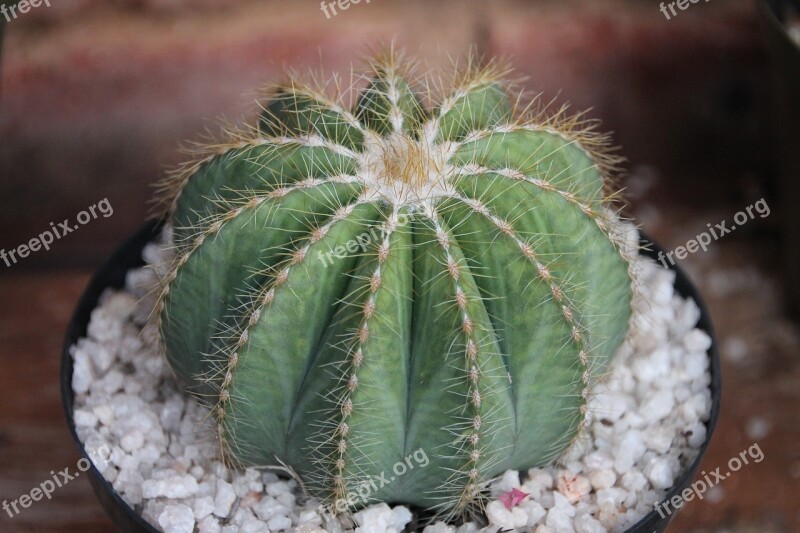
(512, 498)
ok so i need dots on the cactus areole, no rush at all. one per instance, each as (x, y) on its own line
(357, 283)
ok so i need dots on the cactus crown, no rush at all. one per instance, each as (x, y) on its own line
(353, 285)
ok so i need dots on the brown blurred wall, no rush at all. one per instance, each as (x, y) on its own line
(96, 96)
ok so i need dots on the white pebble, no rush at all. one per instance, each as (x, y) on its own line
(176, 519)
(268, 508)
(559, 520)
(608, 515)
(224, 499)
(534, 510)
(84, 418)
(660, 439)
(280, 523)
(610, 405)
(586, 523)
(538, 479)
(203, 507)
(598, 460)
(629, 450)
(659, 405)
(653, 368)
(172, 487)
(696, 434)
(277, 488)
(613, 495)
(132, 441)
(510, 480)
(503, 518)
(439, 527)
(209, 525)
(697, 341)
(695, 365)
(401, 516)
(634, 481)
(309, 528)
(82, 374)
(573, 487)
(381, 518)
(659, 472)
(602, 479)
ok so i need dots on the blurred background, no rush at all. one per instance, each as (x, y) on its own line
(96, 96)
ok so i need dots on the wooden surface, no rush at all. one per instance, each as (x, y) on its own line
(34, 438)
(96, 95)
(761, 371)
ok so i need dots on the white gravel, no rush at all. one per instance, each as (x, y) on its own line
(646, 426)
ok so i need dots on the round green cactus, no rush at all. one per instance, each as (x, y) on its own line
(356, 285)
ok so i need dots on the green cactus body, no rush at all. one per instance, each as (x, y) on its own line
(355, 286)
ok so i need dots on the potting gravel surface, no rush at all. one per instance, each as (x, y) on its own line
(645, 426)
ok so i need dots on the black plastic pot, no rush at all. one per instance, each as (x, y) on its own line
(112, 275)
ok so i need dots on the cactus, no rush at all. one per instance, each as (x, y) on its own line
(354, 283)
